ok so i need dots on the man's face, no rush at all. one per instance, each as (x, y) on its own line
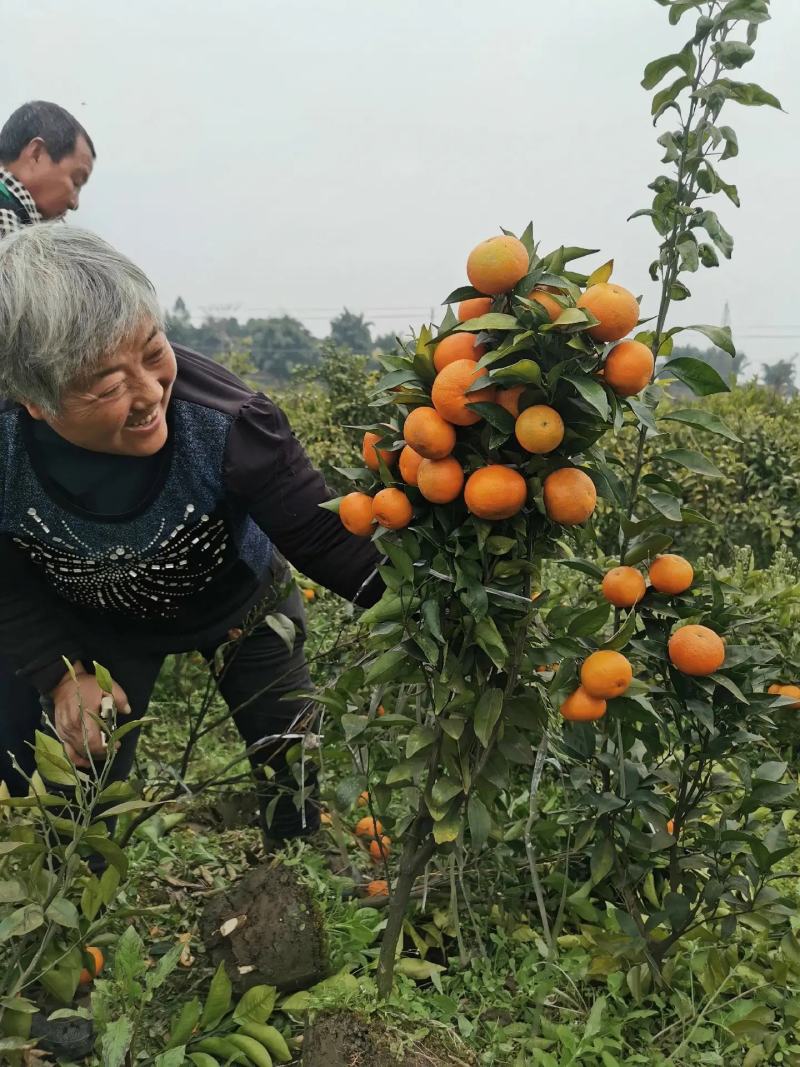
(55, 187)
(121, 407)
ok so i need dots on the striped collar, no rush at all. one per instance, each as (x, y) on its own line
(20, 193)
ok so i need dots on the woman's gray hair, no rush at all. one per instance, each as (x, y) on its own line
(67, 300)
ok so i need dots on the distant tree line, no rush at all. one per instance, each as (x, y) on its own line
(276, 346)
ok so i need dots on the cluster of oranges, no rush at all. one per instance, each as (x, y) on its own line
(792, 692)
(370, 830)
(430, 432)
(694, 650)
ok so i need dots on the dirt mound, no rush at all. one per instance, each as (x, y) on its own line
(268, 930)
(344, 1039)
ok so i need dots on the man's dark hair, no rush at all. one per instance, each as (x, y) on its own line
(57, 128)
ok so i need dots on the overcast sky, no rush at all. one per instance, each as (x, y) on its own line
(302, 155)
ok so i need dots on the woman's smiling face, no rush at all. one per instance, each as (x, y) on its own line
(121, 406)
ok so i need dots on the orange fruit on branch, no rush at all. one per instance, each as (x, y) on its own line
(539, 429)
(440, 480)
(569, 496)
(431, 436)
(370, 453)
(671, 826)
(456, 346)
(623, 587)
(581, 706)
(788, 691)
(380, 711)
(449, 392)
(409, 465)
(309, 594)
(495, 492)
(551, 306)
(497, 264)
(363, 799)
(696, 650)
(380, 848)
(509, 399)
(355, 514)
(392, 509)
(628, 367)
(90, 972)
(474, 308)
(378, 888)
(671, 574)
(616, 309)
(368, 827)
(606, 674)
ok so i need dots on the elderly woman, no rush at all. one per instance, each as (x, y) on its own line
(148, 498)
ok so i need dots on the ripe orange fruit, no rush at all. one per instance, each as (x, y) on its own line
(696, 650)
(775, 689)
(409, 465)
(309, 594)
(628, 367)
(474, 308)
(615, 307)
(509, 399)
(456, 346)
(370, 453)
(440, 480)
(606, 674)
(539, 429)
(449, 393)
(363, 799)
(623, 587)
(368, 827)
(790, 691)
(496, 265)
(581, 706)
(392, 509)
(97, 962)
(378, 888)
(670, 826)
(495, 492)
(429, 434)
(355, 513)
(569, 496)
(380, 711)
(671, 574)
(380, 848)
(551, 306)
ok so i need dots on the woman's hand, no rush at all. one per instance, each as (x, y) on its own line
(75, 701)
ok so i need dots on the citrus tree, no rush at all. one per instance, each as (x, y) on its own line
(485, 460)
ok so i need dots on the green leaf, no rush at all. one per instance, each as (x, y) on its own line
(692, 461)
(524, 372)
(21, 921)
(218, 1000)
(12, 891)
(464, 292)
(354, 726)
(667, 505)
(283, 626)
(51, 761)
(116, 1042)
(667, 95)
(718, 335)
(444, 790)
(164, 968)
(700, 377)
(703, 420)
(487, 712)
(388, 665)
(487, 636)
(401, 560)
(493, 320)
(747, 93)
(496, 416)
(646, 548)
(256, 1005)
(592, 392)
(63, 912)
(183, 1023)
(656, 69)
(448, 828)
(480, 822)
(732, 54)
(174, 1057)
(586, 623)
(420, 738)
(103, 678)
